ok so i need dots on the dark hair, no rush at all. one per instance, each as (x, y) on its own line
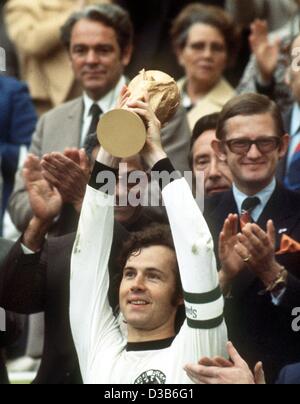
(154, 235)
(110, 15)
(249, 105)
(203, 14)
(208, 122)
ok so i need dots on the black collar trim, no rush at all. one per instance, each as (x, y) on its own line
(149, 346)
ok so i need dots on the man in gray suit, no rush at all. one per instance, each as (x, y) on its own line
(99, 40)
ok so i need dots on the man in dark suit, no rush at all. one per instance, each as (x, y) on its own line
(17, 123)
(13, 323)
(252, 140)
(40, 282)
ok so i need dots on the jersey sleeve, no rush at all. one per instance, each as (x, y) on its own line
(92, 321)
(204, 332)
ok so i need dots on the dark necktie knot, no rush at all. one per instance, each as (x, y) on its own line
(95, 110)
(250, 204)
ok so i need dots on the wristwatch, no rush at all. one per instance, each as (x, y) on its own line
(279, 283)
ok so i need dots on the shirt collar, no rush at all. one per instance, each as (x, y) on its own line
(108, 102)
(186, 101)
(295, 124)
(264, 196)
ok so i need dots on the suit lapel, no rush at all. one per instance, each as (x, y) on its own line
(74, 122)
(218, 209)
(226, 206)
(282, 211)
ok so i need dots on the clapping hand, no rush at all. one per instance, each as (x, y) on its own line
(45, 199)
(221, 371)
(69, 173)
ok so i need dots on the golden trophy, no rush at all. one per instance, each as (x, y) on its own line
(123, 133)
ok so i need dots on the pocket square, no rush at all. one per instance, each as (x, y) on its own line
(288, 246)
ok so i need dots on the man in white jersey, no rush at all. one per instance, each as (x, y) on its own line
(151, 353)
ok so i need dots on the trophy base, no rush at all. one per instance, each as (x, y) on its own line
(122, 133)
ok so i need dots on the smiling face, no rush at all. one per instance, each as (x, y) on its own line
(96, 57)
(147, 294)
(204, 56)
(254, 170)
(217, 175)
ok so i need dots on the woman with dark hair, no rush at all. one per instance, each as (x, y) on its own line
(205, 42)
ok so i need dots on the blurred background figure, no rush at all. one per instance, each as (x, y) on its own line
(17, 123)
(203, 159)
(205, 41)
(289, 170)
(277, 13)
(34, 28)
(266, 70)
(152, 21)
(12, 67)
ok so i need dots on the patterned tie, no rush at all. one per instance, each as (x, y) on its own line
(95, 112)
(292, 179)
(248, 207)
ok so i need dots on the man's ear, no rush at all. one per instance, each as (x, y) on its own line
(284, 146)
(127, 54)
(219, 149)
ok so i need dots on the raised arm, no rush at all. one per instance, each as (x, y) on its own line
(92, 320)
(195, 254)
(205, 332)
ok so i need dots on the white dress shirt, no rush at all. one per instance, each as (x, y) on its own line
(264, 197)
(106, 104)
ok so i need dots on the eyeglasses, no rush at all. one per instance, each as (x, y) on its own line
(264, 144)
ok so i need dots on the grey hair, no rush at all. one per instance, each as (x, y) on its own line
(110, 15)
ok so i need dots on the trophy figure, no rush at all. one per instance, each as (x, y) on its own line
(123, 133)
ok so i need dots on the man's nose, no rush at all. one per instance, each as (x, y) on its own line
(138, 283)
(92, 57)
(214, 170)
(254, 152)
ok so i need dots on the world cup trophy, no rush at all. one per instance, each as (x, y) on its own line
(123, 133)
